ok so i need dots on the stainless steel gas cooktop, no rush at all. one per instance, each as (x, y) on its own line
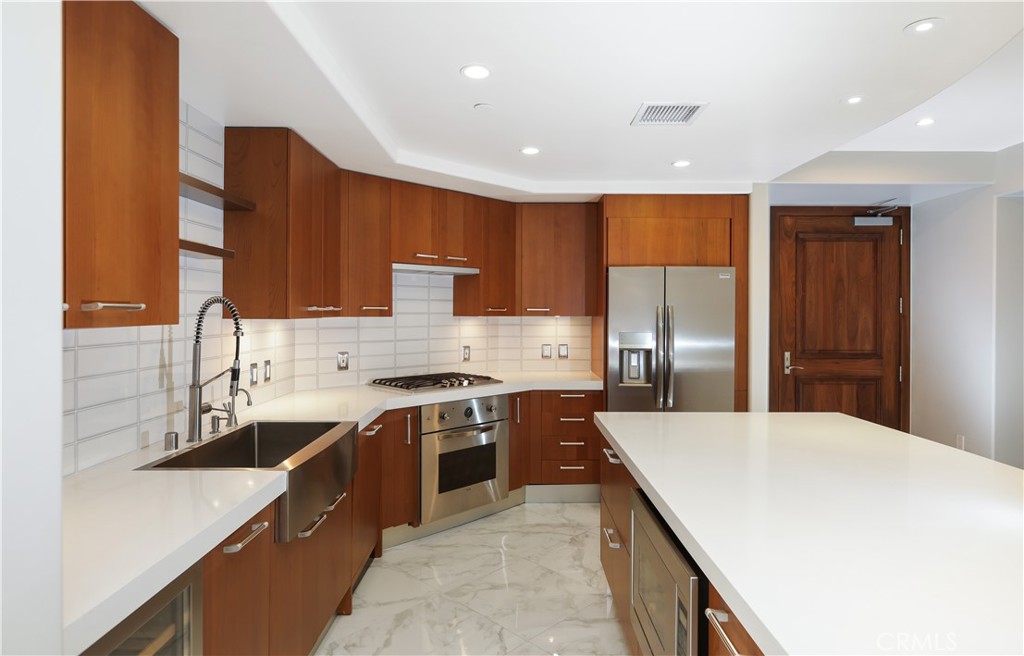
(430, 382)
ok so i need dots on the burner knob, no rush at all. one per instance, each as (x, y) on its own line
(444, 416)
(491, 408)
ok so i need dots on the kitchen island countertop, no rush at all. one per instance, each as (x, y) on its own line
(128, 533)
(827, 534)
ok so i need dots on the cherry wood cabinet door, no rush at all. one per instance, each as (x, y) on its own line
(120, 165)
(615, 561)
(518, 439)
(337, 554)
(617, 485)
(557, 248)
(236, 589)
(415, 224)
(735, 631)
(400, 468)
(493, 291)
(366, 218)
(305, 229)
(334, 288)
(366, 497)
(460, 229)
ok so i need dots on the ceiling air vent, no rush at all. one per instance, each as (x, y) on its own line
(667, 113)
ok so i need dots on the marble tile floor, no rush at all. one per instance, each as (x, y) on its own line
(526, 581)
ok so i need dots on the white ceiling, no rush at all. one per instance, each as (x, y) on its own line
(376, 86)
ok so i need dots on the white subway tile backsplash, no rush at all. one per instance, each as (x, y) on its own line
(106, 447)
(67, 396)
(202, 145)
(107, 359)
(206, 125)
(105, 389)
(104, 418)
(156, 405)
(68, 460)
(68, 428)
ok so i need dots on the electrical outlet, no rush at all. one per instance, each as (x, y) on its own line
(254, 371)
(545, 351)
(266, 371)
(465, 354)
(960, 441)
(342, 360)
(563, 351)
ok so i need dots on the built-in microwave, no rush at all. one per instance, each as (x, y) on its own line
(666, 592)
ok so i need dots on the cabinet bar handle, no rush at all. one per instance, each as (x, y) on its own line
(608, 536)
(608, 453)
(571, 419)
(336, 502)
(572, 444)
(426, 255)
(312, 529)
(504, 309)
(373, 430)
(517, 408)
(374, 307)
(716, 617)
(456, 258)
(408, 428)
(238, 546)
(313, 308)
(571, 467)
(572, 396)
(538, 309)
(331, 308)
(100, 305)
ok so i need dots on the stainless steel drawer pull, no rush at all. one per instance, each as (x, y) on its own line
(313, 308)
(571, 467)
(456, 258)
(608, 536)
(312, 529)
(408, 428)
(256, 530)
(504, 309)
(571, 419)
(608, 453)
(99, 305)
(374, 307)
(538, 309)
(373, 430)
(572, 443)
(716, 617)
(572, 396)
(426, 255)
(517, 408)
(336, 502)
(331, 308)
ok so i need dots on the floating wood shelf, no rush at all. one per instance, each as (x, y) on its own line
(205, 250)
(207, 194)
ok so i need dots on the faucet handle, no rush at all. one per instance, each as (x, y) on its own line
(205, 408)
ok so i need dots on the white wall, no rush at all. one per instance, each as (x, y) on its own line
(1009, 346)
(30, 295)
(760, 285)
(953, 311)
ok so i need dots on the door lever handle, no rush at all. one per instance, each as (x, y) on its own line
(787, 368)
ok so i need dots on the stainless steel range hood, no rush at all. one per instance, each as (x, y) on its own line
(435, 269)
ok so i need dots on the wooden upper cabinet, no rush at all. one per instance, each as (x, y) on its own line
(557, 254)
(279, 271)
(460, 233)
(415, 224)
(671, 230)
(120, 166)
(366, 211)
(491, 225)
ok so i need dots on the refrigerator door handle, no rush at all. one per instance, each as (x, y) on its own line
(670, 351)
(659, 359)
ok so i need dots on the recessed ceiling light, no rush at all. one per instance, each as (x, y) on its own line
(529, 150)
(925, 122)
(483, 106)
(475, 71)
(924, 25)
(854, 100)
(680, 163)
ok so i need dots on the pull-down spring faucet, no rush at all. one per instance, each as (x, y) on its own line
(196, 407)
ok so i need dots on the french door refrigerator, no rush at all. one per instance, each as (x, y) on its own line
(671, 338)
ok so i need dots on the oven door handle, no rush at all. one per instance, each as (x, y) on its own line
(471, 433)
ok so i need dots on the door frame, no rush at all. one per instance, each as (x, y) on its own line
(775, 348)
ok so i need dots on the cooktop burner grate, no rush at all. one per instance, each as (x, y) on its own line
(433, 381)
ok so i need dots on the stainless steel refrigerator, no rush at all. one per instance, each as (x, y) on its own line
(671, 338)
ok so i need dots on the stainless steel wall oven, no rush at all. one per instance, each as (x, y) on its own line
(463, 455)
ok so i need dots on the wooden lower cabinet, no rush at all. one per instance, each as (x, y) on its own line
(236, 589)
(564, 442)
(366, 497)
(737, 635)
(617, 484)
(518, 439)
(400, 467)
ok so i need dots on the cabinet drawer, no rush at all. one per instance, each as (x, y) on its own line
(570, 413)
(615, 562)
(575, 447)
(568, 472)
(738, 635)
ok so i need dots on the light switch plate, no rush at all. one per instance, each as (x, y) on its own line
(254, 373)
(342, 360)
(266, 371)
(545, 351)
(563, 351)
(465, 354)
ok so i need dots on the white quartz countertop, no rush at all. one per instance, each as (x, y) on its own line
(127, 533)
(831, 535)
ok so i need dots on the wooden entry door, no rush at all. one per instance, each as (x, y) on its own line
(840, 308)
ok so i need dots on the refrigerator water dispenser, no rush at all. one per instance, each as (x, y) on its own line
(635, 354)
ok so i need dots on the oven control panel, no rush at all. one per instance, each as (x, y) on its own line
(459, 414)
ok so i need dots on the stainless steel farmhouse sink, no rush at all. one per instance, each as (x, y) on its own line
(319, 458)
